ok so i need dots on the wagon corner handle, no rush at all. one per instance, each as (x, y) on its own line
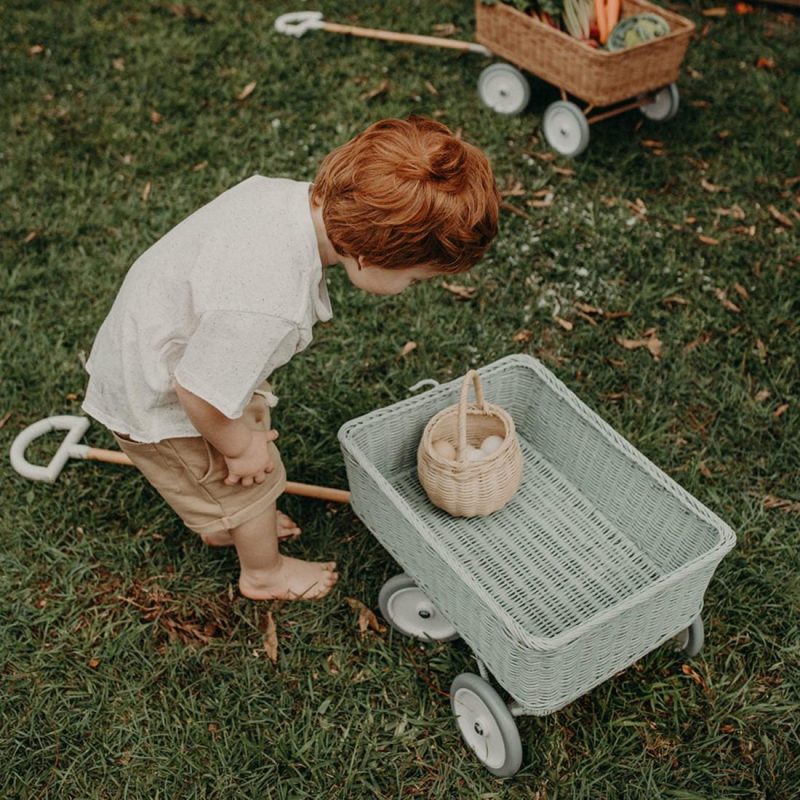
(296, 23)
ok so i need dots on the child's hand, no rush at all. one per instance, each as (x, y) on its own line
(254, 463)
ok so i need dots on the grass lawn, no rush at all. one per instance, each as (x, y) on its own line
(130, 666)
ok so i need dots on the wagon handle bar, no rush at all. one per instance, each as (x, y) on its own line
(76, 427)
(296, 23)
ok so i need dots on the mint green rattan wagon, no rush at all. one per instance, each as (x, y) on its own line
(598, 559)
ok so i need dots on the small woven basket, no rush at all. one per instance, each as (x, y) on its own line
(470, 488)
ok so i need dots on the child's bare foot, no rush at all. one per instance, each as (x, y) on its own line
(287, 529)
(292, 579)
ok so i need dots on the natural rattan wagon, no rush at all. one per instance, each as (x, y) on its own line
(598, 559)
(609, 83)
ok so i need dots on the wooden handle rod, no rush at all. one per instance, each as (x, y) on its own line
(300, 489)
(407, 38)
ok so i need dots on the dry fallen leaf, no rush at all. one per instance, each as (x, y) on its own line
(780, 410)
(722, 296)
(652, 343)
(187, 12)
(523, 336)
(762, 395)
(741, 291)
(703, 338)
(408, 347)
(735, 211)
(513, 189)
(765, 62)
(381, 88)
(709, 240)
(514, 210)
(782, 504)
(366, 617)
(675, 300)
(431, 88)
(118, 64)
(704, 470)
(694, 675)
(35, 49)
(270, 643)
(566, 171)
(782, 218)
(717, 11)
(146, 191)
(155, 117)
(93, 663)
(330, 661)
(564, 323)
(461, 292)
(247, 91)
(713, 187)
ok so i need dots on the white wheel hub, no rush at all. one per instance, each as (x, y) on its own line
(565, 128)
(504, 89)
(479, 728)
(412, 613)
(664, 105)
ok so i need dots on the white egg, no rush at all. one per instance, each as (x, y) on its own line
(491, 444)
(444, 449)
(475, 454)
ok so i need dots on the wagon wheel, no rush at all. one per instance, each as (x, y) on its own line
(566, 128)
(690, 640)
(664, 105)
(504, 89)
(409, 611)
(486, 724)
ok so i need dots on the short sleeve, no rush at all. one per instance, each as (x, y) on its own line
(230, 353)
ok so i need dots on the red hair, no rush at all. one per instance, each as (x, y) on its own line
(408, 193)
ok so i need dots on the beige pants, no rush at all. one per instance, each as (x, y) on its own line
(189, 474)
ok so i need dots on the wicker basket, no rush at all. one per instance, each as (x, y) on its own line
(470, 488)
(599, 77)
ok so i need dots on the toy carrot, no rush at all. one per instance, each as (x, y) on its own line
(602, 20)
(612, 15)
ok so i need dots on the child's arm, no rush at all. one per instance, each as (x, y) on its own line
(245, 451)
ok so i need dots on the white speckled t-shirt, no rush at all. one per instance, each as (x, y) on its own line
(218, 303)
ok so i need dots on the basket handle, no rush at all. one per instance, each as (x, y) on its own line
(461, 424)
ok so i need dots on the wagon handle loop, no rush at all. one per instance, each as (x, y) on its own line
(296, 23)
(461, 425)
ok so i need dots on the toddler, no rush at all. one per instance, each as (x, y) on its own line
(179, 368)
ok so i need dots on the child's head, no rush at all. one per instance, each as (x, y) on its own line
(408, 194)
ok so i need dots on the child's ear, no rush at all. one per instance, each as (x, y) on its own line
(362, 262)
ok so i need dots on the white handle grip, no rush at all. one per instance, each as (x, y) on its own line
(69, 448)
(296, 23)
